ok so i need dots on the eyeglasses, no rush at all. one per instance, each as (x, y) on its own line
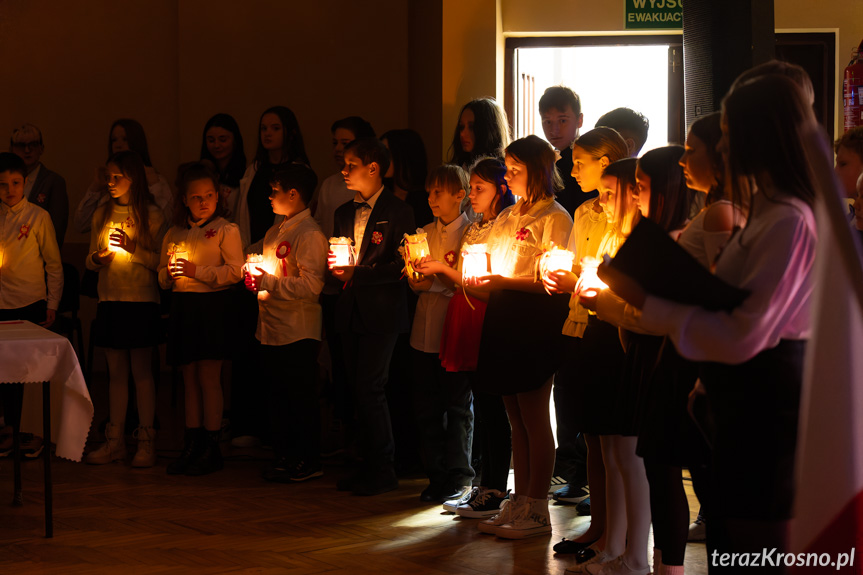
(25, 145)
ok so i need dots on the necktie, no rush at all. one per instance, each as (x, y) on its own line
(359, 205)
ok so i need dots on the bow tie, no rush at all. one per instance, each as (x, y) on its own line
(359, 205)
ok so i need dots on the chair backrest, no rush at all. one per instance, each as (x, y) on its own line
(69, 302)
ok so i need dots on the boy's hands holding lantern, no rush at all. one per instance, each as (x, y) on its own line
(341, 273)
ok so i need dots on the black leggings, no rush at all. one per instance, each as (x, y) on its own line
(496, 438)
(669, 509)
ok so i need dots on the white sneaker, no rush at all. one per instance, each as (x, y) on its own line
(530, 520)
(599, 557)
(615, 567)
(507, 510)
(465, 498)
(697, 530)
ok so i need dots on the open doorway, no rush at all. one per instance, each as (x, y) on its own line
(644, 73)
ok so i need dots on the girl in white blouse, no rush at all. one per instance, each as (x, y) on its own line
(520, 316)
(202, 256)
(754, 354)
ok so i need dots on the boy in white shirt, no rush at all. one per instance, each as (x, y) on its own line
(442, 404)
(288, 284)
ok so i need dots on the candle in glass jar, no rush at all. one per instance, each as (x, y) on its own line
(343, 250)
(556, 259)
(589, 283)
(474, 262)
(416, 247)
(253, 262)
(112, 226)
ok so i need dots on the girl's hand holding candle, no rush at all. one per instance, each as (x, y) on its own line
(103, 257)
(428, 266)
(560, 281)
(182, 268)
(119, 239)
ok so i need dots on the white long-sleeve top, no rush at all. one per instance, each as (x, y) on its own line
(773, 258)
(517, 239)
(214, 247)
(444, 242)
(128, 277)
(28, 251)
(295, 258)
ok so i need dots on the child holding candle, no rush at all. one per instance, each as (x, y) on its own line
(753, 354)
(288, 284)
(31, 275)
(661, 195)
(459, 347)
(127, 317)
(443, 410)
(371, 310)
(581, 392)
(518, 237)
(211, 262)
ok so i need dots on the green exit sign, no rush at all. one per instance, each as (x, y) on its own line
(653, 14)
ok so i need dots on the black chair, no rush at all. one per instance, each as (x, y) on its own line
(67, 322)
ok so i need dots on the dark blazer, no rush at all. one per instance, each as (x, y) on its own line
(374, 301)
(49, 193)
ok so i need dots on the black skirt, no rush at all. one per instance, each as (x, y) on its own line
(755, 407)
(522, 344)
(198, 327)
(127, 325)
(667, 434)
(642, 356)
(592, 371)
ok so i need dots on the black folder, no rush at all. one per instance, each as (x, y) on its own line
(666, 270)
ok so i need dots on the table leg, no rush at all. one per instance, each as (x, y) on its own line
(46, 457)
(17, 494)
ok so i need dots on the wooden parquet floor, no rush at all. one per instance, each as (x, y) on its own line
(116, 519)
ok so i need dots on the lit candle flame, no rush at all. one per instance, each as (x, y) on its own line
(589, 283)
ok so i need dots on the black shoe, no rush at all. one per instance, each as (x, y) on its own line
(376, 483)
(566, 546)
(193, 442)
(348, 483)
(210, 457)
(279, 471)
(303, 471)
(440, 493)
(583, 508)
(571, 494)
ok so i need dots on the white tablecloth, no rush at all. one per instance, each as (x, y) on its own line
(32, 354)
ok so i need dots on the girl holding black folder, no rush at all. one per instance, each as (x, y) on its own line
(754, 354)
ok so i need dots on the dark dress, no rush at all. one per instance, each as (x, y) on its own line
(521, 344)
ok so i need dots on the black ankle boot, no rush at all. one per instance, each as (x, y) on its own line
(193, 443)
(209, 459)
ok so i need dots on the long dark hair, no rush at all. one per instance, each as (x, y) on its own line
(492, 170)
(490, 132)
(237, 164)
(140, 199)
(409, 159)
(670, 199)
(293, 148)
(135, 138)
(187, 173)
(709, 131)
(768, 120)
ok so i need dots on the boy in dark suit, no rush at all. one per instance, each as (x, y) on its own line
(44, 188)
(372, 308)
